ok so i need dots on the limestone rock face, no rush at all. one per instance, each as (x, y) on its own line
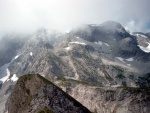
(112, 100)
(35, 94)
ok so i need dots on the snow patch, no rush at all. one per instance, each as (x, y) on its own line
(14, 78)
(106, 44)
(77, 37)
(142, 35)
(129, 59)
(129, 64)
(99, 42)
(16, 57)
(5, 77)
(121, 59)
(31, 54)
(67, 48)
(145, 49)
(78, 43)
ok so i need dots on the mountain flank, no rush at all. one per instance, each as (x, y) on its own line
(104, 67)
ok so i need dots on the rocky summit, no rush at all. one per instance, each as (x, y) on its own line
(35, 94)
(104, 66)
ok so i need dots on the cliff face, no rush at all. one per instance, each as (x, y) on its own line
(35, 94)
(112, 100)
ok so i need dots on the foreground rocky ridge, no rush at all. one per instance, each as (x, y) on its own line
(35, 94)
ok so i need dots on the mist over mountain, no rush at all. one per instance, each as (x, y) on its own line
(63, 15)
(82, 56)
(102, 66)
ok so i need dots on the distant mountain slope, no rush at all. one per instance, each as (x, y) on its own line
(35, 94)
(104, 55)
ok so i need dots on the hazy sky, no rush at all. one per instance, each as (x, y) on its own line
(29, 15)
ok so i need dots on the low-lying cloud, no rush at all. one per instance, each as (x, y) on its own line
(29, 15)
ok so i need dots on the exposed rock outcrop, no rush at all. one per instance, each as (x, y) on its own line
(35, 94)
(113, 100)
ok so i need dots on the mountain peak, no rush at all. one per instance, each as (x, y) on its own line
(112, 25)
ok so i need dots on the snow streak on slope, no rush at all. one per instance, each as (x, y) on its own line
(16, 57)
(67, 48)
(99, 42)
(5, 77)
(31, 54)
(129, 59)
(78, 43)
(122, 60)
(4, 71)
(142, 35)
(145, 49)
(14, 78)
(106, 44)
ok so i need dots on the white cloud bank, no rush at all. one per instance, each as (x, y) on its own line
(29, 15)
